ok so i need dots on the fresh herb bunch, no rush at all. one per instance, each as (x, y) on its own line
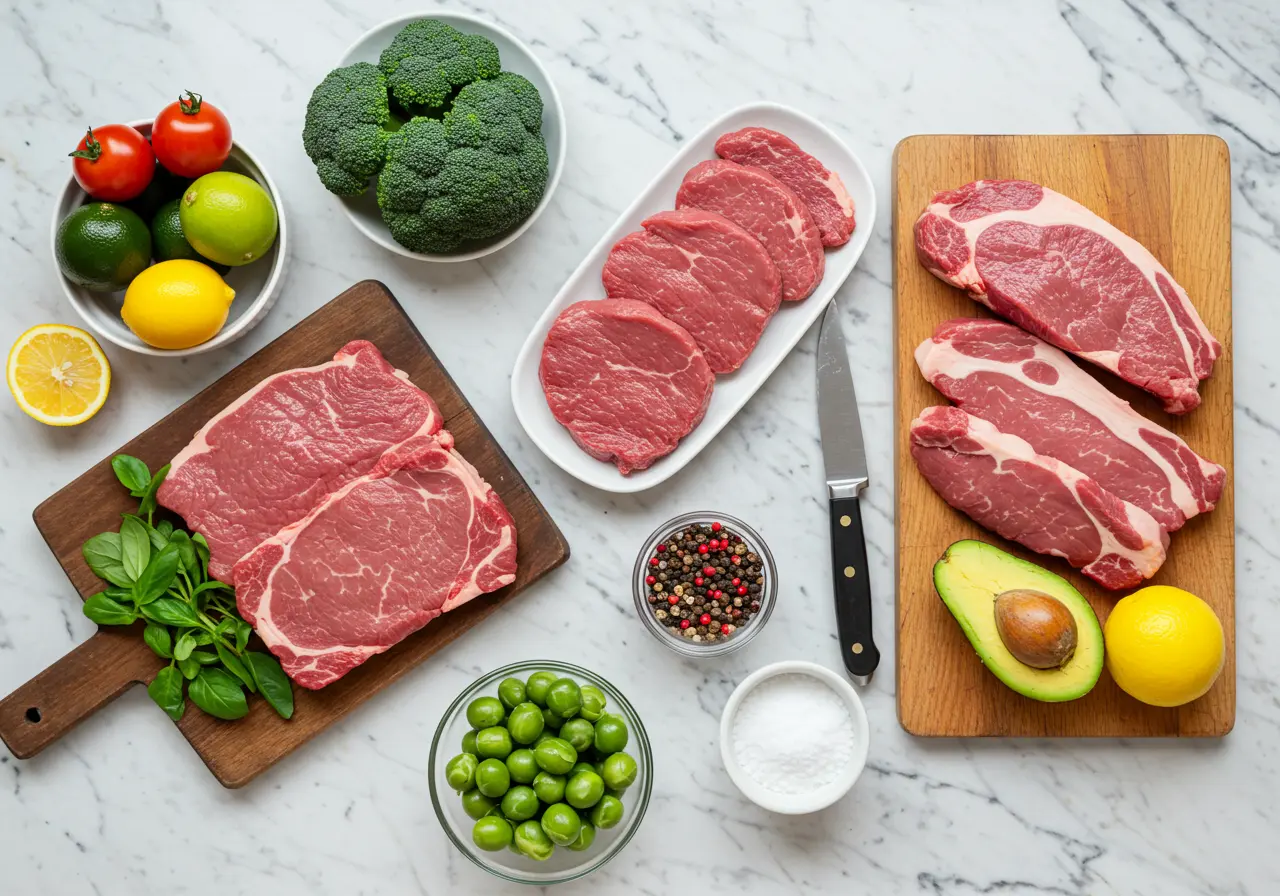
(160, 574)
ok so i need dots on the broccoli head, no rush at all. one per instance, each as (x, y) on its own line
(476, 174)
(346, 128)
(428, 61)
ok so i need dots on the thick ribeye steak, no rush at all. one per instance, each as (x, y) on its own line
(626, 382)
(1028, 388)
(272, 454)
(414, 537)
(1056, 269)
(767, 209)
(1041, 503)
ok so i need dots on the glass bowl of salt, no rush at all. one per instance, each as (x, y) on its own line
(794, 737)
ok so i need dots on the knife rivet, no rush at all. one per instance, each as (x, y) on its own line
(857, 648)
(845, 520)
(848, 572)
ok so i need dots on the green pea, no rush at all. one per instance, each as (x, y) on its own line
(460, 772)
(492, 778)
(579, 733)
(520, 803)
(593, 702)
(584, 790)
(469, 742)
(511, 692)
(552, 719)
(549, 787)
(485, 712)
(491, 833)
(611, 734)
(493, 743)
(525, 723)
(562, 824)
(537, 686)
(476, 804)
(532, 841)
(555, 755)
(564, 697)
(607, 812)
(619, 771)
(586, 836)
(522, 766)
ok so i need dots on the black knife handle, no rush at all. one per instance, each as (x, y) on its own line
(852, 588)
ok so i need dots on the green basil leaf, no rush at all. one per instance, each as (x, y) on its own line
(148, 504)
(186, 644)
(132, 473)
(272, 682)
(202, 551)
(166, 691)
(190, 667)
(218, 694)
(157, 638)
(243, 631)
(171, 611)
(213, 585)
(235, 666)
(205, 657)
(186, 552)
(226, 624)
(115, 592)
(105, 611)
(135, 547)
(203, 638)
(165, 528)
(158, 577)
(103, 554)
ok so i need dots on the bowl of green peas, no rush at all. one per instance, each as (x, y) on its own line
(540, 772)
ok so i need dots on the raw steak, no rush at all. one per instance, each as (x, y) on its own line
(705, 273)
(1041, 503)
(1028, 388)
(417, 535)
(272, 454)
(1056, 269)
(626, 382)
(821, 190)
(769, 210)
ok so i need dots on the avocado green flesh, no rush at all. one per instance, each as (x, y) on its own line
(968, 578)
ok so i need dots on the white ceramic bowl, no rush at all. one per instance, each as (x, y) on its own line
(256, 284)
(516, 57)
(811, 801)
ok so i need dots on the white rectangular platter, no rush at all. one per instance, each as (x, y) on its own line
(731, 390)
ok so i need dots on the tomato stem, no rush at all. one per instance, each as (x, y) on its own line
(189, 102)
(92, 148)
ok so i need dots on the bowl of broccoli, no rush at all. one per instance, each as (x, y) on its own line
(442, 135)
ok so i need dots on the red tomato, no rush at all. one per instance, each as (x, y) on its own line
(113, 163)
(191, 137)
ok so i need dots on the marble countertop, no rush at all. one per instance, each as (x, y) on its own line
(122, 805)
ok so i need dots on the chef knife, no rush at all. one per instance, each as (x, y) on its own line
(845, 459)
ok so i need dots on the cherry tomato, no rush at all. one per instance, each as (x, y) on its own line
(113, 163)
(191, 137)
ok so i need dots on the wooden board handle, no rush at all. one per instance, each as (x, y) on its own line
(73, 688)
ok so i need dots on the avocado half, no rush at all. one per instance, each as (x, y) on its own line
(968, 578)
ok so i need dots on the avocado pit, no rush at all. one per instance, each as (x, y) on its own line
(1037, 628)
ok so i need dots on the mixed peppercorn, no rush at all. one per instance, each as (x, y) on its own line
(704, 582)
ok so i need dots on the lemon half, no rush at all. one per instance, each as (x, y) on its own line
(58, 374)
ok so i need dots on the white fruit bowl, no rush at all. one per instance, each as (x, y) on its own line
(516, 57)
(256, 284)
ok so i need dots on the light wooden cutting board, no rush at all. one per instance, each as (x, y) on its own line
(1173, 194)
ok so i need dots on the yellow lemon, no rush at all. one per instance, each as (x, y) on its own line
(177, 304)
(1165, 646)
(58, 374)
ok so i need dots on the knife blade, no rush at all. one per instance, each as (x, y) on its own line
(844, 457)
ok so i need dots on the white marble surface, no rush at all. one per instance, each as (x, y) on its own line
(123, 806)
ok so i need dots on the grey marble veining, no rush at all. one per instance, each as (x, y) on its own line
(123, 806)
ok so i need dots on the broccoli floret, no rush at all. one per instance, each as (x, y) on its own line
(428, 61)
(475, 174)
(346, 129)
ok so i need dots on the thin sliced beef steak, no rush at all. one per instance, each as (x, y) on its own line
(704, 272)
(822, 190)
(1056, 269)
(1028, 388)
(766, 208)
(1041, 503)
(626, 382)
(267, 459)
(417, 535)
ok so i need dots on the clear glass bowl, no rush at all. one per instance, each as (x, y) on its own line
(564, 864)
(767, 597)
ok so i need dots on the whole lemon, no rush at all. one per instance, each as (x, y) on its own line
(1165, 646)
(177, 304)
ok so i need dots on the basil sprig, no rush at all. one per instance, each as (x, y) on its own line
(159, 574)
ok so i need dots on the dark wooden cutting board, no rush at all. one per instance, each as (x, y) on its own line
(114, 660)
(1173, 194)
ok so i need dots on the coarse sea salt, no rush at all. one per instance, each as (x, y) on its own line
(793, 734)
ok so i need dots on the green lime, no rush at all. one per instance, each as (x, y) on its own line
(228, 218)
(102, 246)
(167, 240)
